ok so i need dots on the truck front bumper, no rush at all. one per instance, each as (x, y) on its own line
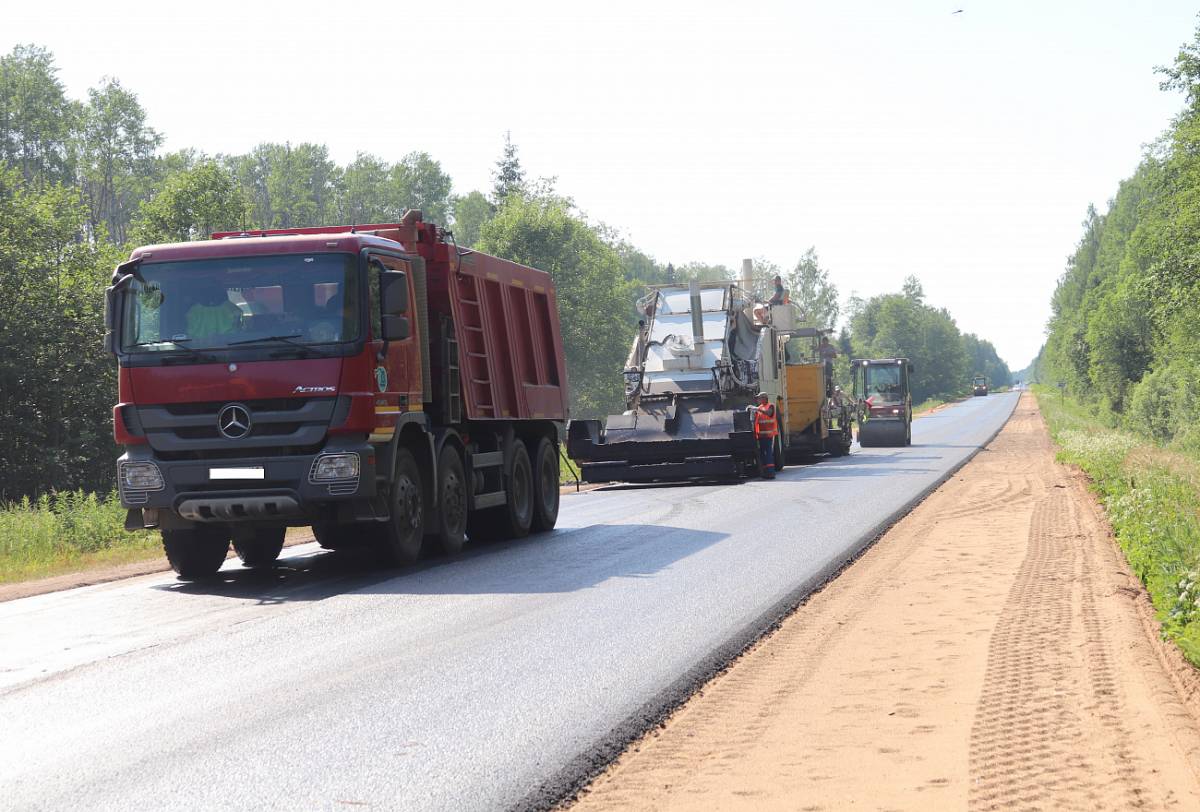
(281, 490)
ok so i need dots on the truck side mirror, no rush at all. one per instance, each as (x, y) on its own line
(119, 284)
(110, 340)
(395, 328)
(393, 292)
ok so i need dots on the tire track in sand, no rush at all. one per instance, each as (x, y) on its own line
(1048, 713)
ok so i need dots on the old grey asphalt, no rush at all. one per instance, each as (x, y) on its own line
(484, 682)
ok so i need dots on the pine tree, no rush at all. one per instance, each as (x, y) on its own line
(509, 177)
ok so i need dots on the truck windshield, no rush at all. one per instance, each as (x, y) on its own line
(218, 303)
(883, 382)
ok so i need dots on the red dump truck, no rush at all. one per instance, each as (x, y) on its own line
(372, 381)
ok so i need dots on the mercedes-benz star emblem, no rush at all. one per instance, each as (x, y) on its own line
(234, 421)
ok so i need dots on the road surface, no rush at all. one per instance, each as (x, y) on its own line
(494, 680)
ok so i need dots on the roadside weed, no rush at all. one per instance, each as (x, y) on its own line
(1152, 500)
(65, 531)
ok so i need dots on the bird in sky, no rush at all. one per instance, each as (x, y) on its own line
(960, 11)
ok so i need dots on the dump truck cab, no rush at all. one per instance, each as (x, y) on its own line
(372, 381)
(881, 386)
(979, 386)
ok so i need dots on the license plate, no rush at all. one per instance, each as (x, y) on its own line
(237, 473)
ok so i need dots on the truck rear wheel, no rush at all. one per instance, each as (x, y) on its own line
(513, 519)
(196, 553)
(404, 530)
(451, 519)
(546, 487)
(259, 547)
(780, 459)
(518, 513)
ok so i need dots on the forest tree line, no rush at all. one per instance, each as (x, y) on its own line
(1124, 332)
(84, 181)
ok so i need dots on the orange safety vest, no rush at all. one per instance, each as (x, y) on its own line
(764, 421)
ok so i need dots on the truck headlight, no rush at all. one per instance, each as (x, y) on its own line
(141, 476)
(332, 467)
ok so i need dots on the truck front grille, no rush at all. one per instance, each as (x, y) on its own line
(278, 427)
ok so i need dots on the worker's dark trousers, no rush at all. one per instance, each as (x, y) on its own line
(766, 455)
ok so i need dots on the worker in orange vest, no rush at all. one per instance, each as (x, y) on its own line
(766, 427)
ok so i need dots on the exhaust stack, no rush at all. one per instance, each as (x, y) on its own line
(747, 276)
(697, 314)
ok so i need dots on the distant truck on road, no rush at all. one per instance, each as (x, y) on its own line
(374, 382)
(979, 386)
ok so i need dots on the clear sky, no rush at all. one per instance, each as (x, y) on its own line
(896, 137)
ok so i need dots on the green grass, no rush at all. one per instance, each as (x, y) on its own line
(928, 405)
(568, 469)
(67, 532)
(1152, 496)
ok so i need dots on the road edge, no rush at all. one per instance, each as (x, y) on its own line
(564, 787)
(19, 590)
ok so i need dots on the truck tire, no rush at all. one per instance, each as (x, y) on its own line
(196, 553)
(450, 523)
(518, 513)
(780, 459)
(331, 536)
(404, 531)
(545, 486)
(259, 547)
(513, 519)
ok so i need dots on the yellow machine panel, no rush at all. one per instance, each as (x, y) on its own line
(805, 387)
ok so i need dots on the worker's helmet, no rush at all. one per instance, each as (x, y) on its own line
(762, 396)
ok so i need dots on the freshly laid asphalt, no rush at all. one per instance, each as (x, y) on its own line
(498, 679)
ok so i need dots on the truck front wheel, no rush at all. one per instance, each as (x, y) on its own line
(405, 529)
(331, 536)
(259, 547)
(196, 553)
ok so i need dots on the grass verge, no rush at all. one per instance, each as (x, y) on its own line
(1152, 496)
(928, 405)
(67, 532)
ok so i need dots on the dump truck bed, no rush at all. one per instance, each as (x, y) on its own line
(510, 355)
